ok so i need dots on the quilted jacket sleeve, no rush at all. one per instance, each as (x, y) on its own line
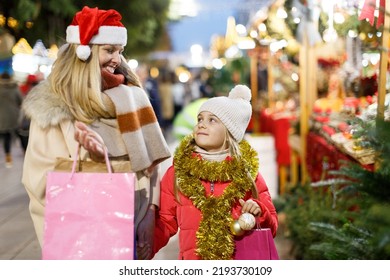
(269, 217)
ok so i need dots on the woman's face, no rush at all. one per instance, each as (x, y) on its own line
(210, 132)
(110, 57)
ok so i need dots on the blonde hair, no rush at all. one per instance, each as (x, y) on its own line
(78, 83)
(130, 76)
(234, 151)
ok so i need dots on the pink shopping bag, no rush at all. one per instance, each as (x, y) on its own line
(258, 244)
(89, 216)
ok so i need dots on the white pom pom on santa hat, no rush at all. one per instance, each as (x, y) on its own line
(240, 92)
(83, 52)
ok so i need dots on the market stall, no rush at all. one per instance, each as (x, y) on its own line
(341, 73)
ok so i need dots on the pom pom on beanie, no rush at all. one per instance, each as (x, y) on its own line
(233, 111)
(241, 91)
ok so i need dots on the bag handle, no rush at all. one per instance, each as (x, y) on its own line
(77, 156)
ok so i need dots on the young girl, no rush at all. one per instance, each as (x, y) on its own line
(92, 98)
(214, 179)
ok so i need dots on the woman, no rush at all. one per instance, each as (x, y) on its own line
(92, 98)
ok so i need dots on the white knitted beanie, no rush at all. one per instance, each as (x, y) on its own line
(234, 111)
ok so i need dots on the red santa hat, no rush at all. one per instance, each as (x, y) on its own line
(94, 26)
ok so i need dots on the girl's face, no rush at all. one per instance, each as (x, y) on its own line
(110, 57)
(210, 133)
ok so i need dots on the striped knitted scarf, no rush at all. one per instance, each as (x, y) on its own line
(137, 123)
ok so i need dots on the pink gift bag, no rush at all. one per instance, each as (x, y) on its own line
(89, 216)
(258, 244)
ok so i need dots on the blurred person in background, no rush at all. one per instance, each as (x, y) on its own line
(179, 93)
(152, 89)
(10, 112)
(165, 90)
(23, 130)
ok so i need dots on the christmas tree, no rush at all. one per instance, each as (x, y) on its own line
(346, 217)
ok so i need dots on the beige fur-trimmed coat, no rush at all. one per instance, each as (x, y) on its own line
(51, 137)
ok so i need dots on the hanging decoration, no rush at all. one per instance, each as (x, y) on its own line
(22, 47)
(39, 49)
(369, 10)
(307, 26)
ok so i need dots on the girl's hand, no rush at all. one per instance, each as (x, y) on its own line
(250, 206)
(90, 140)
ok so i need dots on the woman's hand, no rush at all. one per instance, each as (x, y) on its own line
(90, 140)
(145, 235)
(250, 206)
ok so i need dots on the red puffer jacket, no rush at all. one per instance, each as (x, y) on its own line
(184, 215)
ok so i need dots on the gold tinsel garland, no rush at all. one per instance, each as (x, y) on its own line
(214, 238)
